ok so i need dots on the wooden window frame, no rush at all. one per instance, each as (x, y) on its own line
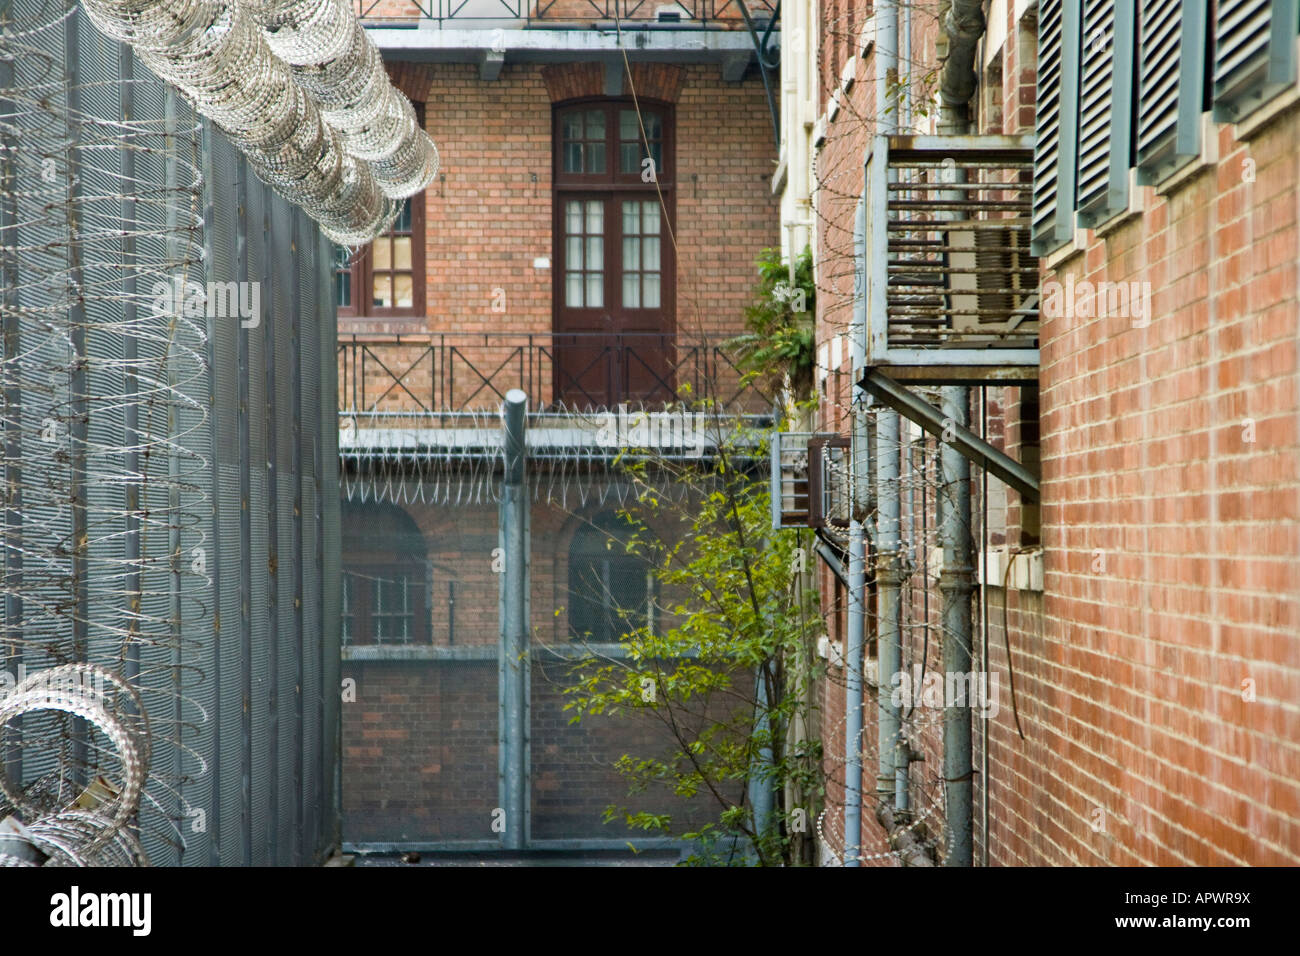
(362, 269)
(653, 349)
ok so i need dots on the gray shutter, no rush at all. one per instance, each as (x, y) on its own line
(1056, 120)
(1098, 59)
(1254, 53)
(1169, 85)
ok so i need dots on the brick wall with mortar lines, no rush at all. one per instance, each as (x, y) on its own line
(488, 218)
(1140, 748)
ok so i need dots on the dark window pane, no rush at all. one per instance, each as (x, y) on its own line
(573, 157)
(573, 125)
(596, 157)
(595, 125)
(630, 157)
(403, 222)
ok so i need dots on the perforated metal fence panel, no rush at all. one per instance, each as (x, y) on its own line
(170, 452)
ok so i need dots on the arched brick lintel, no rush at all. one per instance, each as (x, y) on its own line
(652, 81)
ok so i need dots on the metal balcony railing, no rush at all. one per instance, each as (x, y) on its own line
(433, 373)
(952, 283)
(635, 14)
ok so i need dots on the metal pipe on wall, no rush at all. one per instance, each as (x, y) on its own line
(514, 625)
(963, 24)
(955, 585)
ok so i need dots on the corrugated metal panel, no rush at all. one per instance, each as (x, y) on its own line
(331, 531)
(222, 206)
(283, 294)
(258, 553)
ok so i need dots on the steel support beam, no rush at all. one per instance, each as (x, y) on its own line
(908, 404)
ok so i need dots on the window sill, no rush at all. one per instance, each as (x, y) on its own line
(1266, 113)
(381, 325)
(1194, 166)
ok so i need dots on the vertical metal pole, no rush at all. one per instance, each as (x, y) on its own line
(857, 617)
(955, 589)
(891, 780)
(514, 624)
(888, 634)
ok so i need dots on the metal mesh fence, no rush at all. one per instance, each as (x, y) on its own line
(422, 611)
(170, 491)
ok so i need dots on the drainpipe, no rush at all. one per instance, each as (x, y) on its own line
(963, 26)
(855, 641)
(512, 785)
(955, 586)
(891, 781)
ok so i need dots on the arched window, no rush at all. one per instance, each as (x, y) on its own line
(611, 592)
(385, 577)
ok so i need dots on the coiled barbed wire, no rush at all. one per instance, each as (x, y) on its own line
(103, 381)
(301, 90)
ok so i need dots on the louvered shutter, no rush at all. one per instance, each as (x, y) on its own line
(1056, 115)
(1170, 85)
(1105, 111)
(1098, 59)
(1254, 53)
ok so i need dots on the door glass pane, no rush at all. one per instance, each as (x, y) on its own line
(595, 253)
(631, 218)
(595, 294)
(383, 253)
(573, 217)
(651, 285)
(383, 292)
(595, 125)
(595, 157)
(405, 290)
(573, 252)
(402, 252)
(631, 290)
(631, 254)
(573, 289)
(595, 217)
(650, 253)
(654, 126)
(573, 125)
(650, 217)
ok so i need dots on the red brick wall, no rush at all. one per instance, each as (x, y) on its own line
(1139, 748)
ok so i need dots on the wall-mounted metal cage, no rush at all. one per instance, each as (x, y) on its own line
(952, 286)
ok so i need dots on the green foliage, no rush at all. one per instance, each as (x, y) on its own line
(780, 336)
(727, 671)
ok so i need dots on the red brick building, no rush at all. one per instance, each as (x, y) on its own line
(591, 240)
(1152, 591)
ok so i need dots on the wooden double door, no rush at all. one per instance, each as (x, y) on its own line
(614, 296)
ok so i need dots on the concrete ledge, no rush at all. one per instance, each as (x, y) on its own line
(428, 44)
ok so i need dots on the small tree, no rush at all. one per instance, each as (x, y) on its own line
(727, 672)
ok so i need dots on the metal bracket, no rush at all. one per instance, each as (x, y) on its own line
(910, 406)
